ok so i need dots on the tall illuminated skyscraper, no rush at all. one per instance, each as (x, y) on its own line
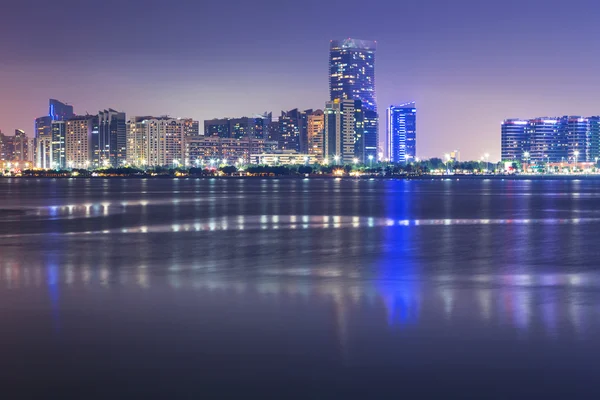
(352, 71)
(352, 77)
(402, 132)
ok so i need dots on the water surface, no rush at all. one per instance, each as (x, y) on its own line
(291, 288)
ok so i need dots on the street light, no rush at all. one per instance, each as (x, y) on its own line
(355, 160)
(336, 158)
(371, 160)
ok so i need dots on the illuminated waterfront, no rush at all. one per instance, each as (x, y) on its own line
(308, 287)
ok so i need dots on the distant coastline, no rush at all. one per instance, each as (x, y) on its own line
(334, 177)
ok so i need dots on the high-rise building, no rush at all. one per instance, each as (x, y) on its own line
(402, 132)
(316, 127)
(515, 140)
(78, 141)
(43, 142)
(371, 135)
(112, 139)
(343, 131)
(352, 76)
(57, 111)
(352, 71)
(293, 130)
(59, 150)
(157, 141)
(20, 146)
(6, 147)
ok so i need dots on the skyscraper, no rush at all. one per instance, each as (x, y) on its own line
(112, 139)
(402, 132)
(57, 111)
(352, 71)
(59, 137)
(343, 130)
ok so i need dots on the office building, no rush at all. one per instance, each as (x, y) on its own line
(402, 133)
(110, 149)
(343, 131)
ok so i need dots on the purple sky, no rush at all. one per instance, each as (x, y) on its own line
(467, 63)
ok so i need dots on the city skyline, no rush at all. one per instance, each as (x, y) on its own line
(466, 60)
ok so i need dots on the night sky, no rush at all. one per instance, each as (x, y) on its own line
(467, 63)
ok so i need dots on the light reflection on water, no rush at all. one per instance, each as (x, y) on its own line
(384, 267)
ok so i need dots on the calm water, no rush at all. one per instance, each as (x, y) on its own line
(299, 289)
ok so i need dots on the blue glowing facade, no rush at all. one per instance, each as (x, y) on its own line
(551, 139)
(402, 132)
(352, 71)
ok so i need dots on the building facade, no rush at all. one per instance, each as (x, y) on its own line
(551, 139)
(158, 141)
(316, 128)
(402, 133)
(343, 131)
(352, 71)
(57, 111)
(238, 128)
(78, 141)
(201, 150)
(59, 150)
(515, 140)
(110, 150)
(293, 130)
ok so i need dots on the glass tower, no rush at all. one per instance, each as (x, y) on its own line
(402, 132)
(352, 71)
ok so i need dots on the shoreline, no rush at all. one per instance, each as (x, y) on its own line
(363, 178)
